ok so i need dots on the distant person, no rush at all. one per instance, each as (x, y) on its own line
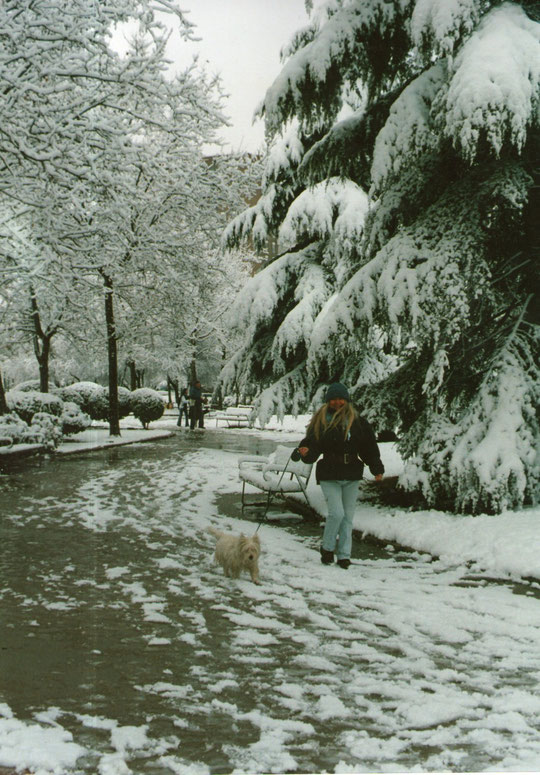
(196, 405)
(184, 408)
(346, 441)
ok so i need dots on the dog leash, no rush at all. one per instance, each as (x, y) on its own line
(263, 518)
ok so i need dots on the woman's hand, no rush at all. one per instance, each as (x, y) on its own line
(303, 451)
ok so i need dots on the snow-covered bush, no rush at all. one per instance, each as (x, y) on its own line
(146, 405)
(30, 384)
(90, 397)
(73, 419)
(124, 401)
(45, 429)
(12, 427)
(26, 405)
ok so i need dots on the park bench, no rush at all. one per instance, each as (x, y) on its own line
(235, 416)
(275, 475)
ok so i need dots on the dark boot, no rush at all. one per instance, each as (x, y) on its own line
(327, 558)
(344, 563)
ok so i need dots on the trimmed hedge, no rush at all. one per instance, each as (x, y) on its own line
(73, 419)
(45, 429)
(27, 404)
(147, 405)
(30, 384)
(89, 396)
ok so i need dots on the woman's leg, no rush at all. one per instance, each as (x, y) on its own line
(349, 496)
(334, 501)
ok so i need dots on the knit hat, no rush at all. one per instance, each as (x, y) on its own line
(337, 390)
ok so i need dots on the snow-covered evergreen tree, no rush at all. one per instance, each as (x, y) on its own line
(403, 181)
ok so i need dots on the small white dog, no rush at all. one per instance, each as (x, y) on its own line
(237, 553)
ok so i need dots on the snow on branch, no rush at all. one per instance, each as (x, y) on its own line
(438, 25)
(488, 458)
(240, 228)
(285, 153)
(408, 131)
(417, 283)
(263, 292)
(493, 94)
(334, 208)
(296, 327)
(289, 394)
(314, 74)
(259, 221)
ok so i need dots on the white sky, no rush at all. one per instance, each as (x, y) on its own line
(241, 40)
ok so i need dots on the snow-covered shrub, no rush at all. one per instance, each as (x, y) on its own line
(124, 402)
(12, 427)
(26, 405)
(73, 419)
(30, 384)
(45, 429)
(146, 405)
(90, 397)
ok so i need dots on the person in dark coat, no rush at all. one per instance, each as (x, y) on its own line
(196, 405)
(346, 442)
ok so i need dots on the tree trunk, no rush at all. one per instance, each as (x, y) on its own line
(3, 403)
(114, 415)
(173, 384)
(193, 371)
(132, 375)
(43, 360)
(42, 343)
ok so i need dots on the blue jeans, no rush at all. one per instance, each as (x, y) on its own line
(183, 412)
(341, 496)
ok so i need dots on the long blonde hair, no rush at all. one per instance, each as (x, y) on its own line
(343, 417)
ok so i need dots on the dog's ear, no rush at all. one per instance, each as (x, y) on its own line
(257, 539)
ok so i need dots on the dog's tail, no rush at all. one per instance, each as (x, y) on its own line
(216, 533)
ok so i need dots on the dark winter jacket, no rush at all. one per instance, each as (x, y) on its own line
(195, 394)
(344, 458)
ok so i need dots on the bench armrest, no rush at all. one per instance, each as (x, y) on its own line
(261, 461)
(280, 468)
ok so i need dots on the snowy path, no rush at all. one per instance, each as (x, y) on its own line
(145, 659)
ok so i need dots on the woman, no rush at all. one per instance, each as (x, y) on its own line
(346, 441)
(184, 406)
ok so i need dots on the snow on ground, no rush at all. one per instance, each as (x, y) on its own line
(505, 544)
(399, 664)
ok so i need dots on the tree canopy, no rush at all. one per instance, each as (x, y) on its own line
(104, 186)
